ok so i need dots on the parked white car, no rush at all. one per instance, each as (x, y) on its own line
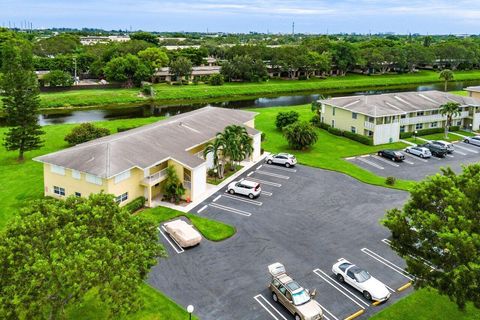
(473, 140)
(245, 187)
(285, 159)
(421, 152)
(361, 280)
(445, 144)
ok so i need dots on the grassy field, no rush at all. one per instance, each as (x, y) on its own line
(201, 92)
(426, 305)
(22, 182)
(440, 136)
(329, 151)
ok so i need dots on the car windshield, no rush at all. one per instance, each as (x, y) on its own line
(300, 297)
(361, 275)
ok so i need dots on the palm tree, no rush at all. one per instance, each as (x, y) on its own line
(446, 75)
(450, 110)
(237, 143)
(216, 147)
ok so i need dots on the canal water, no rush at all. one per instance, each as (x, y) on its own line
(148, 110)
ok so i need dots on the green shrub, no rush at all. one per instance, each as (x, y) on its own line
(215, 79)
(136, 204)
(316, 121)
(405, 135)
(359, 138)
(147, 89)
(263, 136)
(58, 78)
(121, 129)
(286, 118)
(85, 132)
(390, 181)
(454, 128)
(324, 125)
(335, 131)
(300, 135)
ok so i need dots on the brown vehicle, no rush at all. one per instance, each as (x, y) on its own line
(297, 300)
(183, 233)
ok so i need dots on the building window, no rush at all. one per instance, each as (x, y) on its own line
(402, 129)
(419, 126)
(93, 179)
(420, 113)
(459, 123)
(78, 194)
(370, 133)
(333, 123)
(353, 129)
(433, 124)
(333, 111)
(122, 197)
(387, 120)
(76, 174)
(403, 116)
(323, 119)
(58, 190)
(57, 169)
(434, 111)
(122, 176)
(354, 115)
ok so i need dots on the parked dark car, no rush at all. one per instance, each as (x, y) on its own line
(436, 150)
(392, 155)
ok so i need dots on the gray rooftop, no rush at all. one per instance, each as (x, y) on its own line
(473, 88)
(147, 145)
(388, 104)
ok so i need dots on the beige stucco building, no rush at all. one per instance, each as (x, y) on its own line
(133, 163)
(384, 116)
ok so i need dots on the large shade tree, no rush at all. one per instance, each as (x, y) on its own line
(450, 110)
(57, 252)
(437, 232)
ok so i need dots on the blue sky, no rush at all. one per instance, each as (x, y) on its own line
(310, 16)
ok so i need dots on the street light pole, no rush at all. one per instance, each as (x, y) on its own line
(190, 311)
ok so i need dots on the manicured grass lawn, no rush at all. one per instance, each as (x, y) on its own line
(460, 92)
(210, 229)
(229, 91)
(329, 151)
(426, 304)
(441, 136)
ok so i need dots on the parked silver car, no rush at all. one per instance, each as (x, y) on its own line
(421, 152)
(473, 140)
(285, 159)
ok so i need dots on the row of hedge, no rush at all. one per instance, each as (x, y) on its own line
(347, 134)
(135, 205)
(426, 132)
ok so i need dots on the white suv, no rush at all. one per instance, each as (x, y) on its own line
(247, 188)
(286, 159)
(473, 140)
(421, 152)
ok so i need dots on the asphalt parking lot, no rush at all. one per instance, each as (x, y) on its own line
(416, 168)
(306, 219)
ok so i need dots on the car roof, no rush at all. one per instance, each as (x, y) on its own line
(285, 154)
(441, 141)
(249, 183)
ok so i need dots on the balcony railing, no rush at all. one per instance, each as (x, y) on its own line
(187, 185)
(155, 178)
(430, 118)
(369, 125)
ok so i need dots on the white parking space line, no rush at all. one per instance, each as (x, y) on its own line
(425, 261)
(259, 166)
(266, 193)
(409, 162)
(272, 174)
(340, 288)
(202, 208)
(238, 198)
(466, 149)
(385, 161)
(216, 198)
(261, 297)
(415, 157)
(459, 152)
(248, 175)
(450, 156)
(230, 209)
(387, 263)
(329, 313)
(268, 183)
(280, 168)
(373, 164)
(177, 248)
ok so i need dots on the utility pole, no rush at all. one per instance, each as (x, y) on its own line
(75, 70)
(293, 28)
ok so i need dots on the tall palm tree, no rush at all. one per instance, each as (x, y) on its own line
(216, 147)
(237, 142)
(446, 75)
(450, 110)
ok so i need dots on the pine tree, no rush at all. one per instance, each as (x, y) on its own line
(20, 96)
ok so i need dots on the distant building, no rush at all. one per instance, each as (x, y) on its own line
(164, 74)
(384, 116)
(89, 40)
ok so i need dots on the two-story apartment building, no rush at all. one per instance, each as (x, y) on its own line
(384, 116)
(133, 163)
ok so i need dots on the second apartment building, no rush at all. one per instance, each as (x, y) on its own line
(384, 116)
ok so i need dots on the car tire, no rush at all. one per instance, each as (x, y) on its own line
(466, 141)
(231, 191)
(287, 164)
(367, 295)
(340, 278)
(297, 317)
(251, 196)
(407, 150)
(274, 297)
(393, 159)
(379, 154)
(269, 161)
(422, 156)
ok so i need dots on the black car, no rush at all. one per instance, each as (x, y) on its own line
(436, 150)
(392, 155)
